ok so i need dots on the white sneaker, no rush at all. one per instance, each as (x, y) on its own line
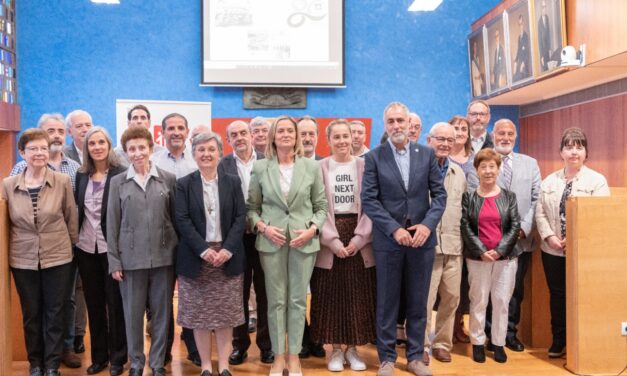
(354, 360)
(336, 362)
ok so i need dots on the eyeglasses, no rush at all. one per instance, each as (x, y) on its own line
(477, 114)
(444, 139)
(35, 149)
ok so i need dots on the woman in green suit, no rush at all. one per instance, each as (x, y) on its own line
(286, 206)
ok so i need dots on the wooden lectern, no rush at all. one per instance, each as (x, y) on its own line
(596, 283)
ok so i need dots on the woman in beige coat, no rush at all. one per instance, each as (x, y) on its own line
(575, 179)
(43, 227)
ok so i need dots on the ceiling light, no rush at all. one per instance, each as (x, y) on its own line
(423, 5)
(105, 1)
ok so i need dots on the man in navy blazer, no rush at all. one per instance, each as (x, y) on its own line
(240, 163)
(403, 194)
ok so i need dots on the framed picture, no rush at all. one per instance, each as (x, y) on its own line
(476, 63)
(496, 43)
(519, 34)
(549, 21)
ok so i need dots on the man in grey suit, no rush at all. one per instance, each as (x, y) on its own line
(78, 122)
(498, 67)
(240, 163)
(521, 175)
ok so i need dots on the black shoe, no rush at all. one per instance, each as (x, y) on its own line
(96, 368)
(237, 357)
(489, 347)
(36, 371)
(317, 350)
(514, 344)
(79, 345)
(168, 359)
(194, 357)
(478, 353)
(267, 357)
(135, 372)
(304, 352)
(158, 371)
(206, 373)
(225, 373)
(557, 350)
(116, 370)
(499, 354)
(53, 372)
(252, 325)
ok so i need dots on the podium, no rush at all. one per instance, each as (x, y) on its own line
(596, 283)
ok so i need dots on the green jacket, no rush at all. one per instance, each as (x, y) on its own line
(306, 202)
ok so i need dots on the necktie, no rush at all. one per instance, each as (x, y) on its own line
(506, 174)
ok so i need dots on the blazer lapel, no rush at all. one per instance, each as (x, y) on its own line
(225, 203)
(275, 178)
(388, 157)
(198, 196)
(297, 179)
(414, 155)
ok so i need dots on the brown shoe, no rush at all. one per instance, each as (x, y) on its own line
(442, 355)
(418, 368)
(425, 357)
(386, 369)
(70, 359)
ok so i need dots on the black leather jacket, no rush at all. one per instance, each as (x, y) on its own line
(510, 225)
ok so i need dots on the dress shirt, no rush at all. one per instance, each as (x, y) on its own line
(244, 170)
(68, 166)
(477, 142)
(90, 234)
(444, 167)
(286, 174)
(402, 161)
(180, 167)
(131, 174)
(363, 151)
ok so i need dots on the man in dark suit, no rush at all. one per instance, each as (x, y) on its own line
(78, 122)
(478, 114)
(308, 129)
(498, 66)
(544, 38)
(522, 62)
(403, 194)
(240, 163)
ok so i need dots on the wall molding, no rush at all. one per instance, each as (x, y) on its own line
(590, 94)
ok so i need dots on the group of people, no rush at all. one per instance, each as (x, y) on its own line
(381, 237)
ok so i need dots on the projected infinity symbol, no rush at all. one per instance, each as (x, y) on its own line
(306, 10)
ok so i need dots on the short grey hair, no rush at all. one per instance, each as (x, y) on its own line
(259, 120)
(47, 117)
(396, 104)
(438, 125)
(357, 122)
(68, 118)
(203, 137)
(416, 115)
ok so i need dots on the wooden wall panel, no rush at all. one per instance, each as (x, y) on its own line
(6, 358)
(605, 123)
(600, 24)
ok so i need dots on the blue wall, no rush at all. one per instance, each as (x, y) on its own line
(75, 54)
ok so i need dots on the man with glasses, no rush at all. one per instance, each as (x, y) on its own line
(78, 122)
(415, 127)
(521, 175)
(447, 267)
(478, 113)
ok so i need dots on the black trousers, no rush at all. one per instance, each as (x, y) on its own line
(253, 275)
(555, 273)
(515, 302)
(43, 296)
(104, 308)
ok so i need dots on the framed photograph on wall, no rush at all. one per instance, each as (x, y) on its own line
(477, 63)
(519, 35)
(496, 43)
(549, 21)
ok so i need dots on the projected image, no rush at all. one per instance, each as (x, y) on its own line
(275, 37)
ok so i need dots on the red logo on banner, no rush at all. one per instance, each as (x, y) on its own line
(157, 135)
